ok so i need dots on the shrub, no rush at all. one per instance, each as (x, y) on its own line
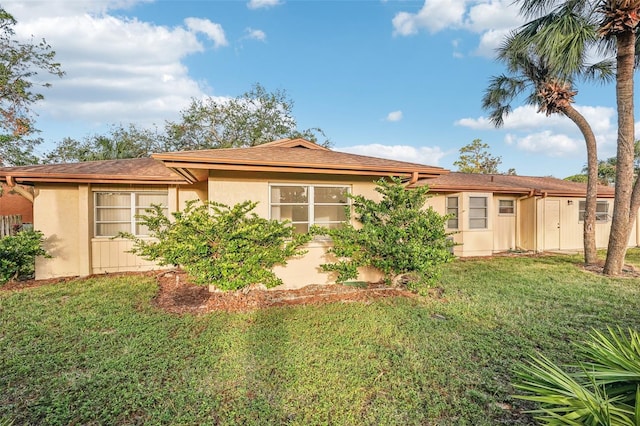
(397, 236)
(230, 247)
(602, 390)
(18, 254)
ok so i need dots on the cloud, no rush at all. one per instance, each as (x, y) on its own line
(212, 30)
(117, 69)
(394, 116)
(548, 143)
(252, 34)
(421, 155)
(262, 4)
(491, 19)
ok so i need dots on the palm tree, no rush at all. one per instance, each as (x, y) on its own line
(617, 22)
(553, 92)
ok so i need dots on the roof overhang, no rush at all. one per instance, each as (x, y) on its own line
(25, 178)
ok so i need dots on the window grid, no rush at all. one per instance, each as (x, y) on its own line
(506, 207)
(602, 211)
(310, 205)
(134, 208)
(452, 210)
(478, 213)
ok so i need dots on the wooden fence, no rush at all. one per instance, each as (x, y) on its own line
(9, 225)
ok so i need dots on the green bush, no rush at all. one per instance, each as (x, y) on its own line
(396, 235)
(602, 390)
(18, 254)
(230, 247)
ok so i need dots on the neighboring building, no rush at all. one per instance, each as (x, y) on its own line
(12, 203)
(80, 207)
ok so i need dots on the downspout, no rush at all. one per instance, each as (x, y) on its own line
(414, 179)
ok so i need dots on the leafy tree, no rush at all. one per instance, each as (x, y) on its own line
(579, 178)
(552, 92)
(616, 21)
(120, 142)
(476, 158)
(602, 390)
(229, 247)
(397, 236)
(19, 64)
(251, 119)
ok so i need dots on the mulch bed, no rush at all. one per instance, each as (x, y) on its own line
(178, 295)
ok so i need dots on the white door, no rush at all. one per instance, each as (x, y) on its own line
(552, 225)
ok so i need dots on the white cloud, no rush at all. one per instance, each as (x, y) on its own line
(394, 116)
(547, 143)
(434, 16)
(422, 155)
(212, 30)
(117, 69)
(260, 4)
(252, 34)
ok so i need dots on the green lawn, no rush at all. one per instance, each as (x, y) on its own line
(97, 352)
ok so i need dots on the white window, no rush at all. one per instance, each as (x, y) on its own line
(602, 211)
(506, 207)
(116, 211)
(307, 205)
(478, 213)
(452, 211)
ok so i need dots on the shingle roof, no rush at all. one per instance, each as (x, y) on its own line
(135, 170)
(277, 156)
(510, 184)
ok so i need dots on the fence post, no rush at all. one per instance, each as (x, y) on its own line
(9, 225)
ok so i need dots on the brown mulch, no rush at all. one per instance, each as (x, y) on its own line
(178, 295)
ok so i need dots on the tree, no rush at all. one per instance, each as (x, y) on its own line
(251, 119)
(552, 92)
(616, 22)
(120, 142)
(19, 64)
(476, 158)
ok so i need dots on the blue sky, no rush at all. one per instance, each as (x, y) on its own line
(396, 79)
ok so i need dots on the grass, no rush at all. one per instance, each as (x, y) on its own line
(96, 351)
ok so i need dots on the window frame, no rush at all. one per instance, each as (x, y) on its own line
(512, 207)
(456, 214)
(310, 204)
(486, 212)
(133, 208)
(601, 216)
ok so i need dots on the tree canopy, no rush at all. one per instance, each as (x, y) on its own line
(251, 119)
(476, 158)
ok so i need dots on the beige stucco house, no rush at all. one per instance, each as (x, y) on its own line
(80, 207)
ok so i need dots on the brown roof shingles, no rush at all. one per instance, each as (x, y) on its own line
(135, 170)
(510, 184)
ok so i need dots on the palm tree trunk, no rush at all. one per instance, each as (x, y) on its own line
(620, 229)
(589, 230)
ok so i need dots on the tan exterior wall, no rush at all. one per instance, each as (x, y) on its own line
(232, 188)
(527, 219)
(57, 214)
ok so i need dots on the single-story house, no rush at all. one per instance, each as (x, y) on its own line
(80, 207)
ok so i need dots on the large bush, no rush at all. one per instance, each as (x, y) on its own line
(18, 254)
(396, 235)
(229, 247)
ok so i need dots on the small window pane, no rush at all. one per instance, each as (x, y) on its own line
(477, 202)
(506, 207)
(331, 195)
(289, 194)
(113, 199)
(452, 210)
(145, 200)
(329, 214)
(300, 228)
(477, 223)
(113, 215)
(292, 213)
(112, 229)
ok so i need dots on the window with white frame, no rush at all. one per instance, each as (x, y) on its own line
(452, 212)
(602, 211)
(478, 213)
(307, 205)
(506, 207)
(115, 211)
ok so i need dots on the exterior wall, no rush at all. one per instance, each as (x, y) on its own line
(527, 224)
(12, 203)
(232, 188)
(57, 213)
